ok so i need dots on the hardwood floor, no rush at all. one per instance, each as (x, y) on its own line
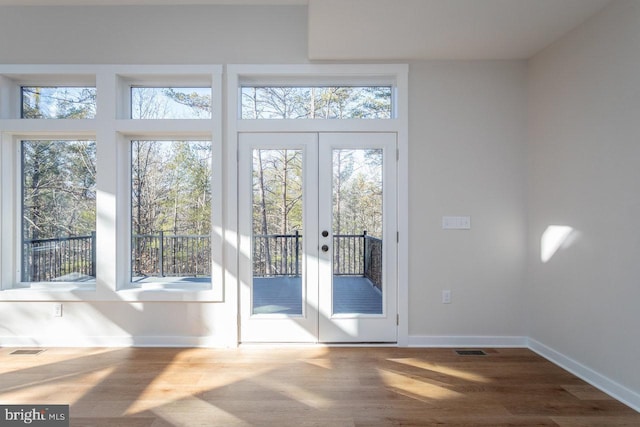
(306, 386)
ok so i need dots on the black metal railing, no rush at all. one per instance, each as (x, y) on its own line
(277, 254)
(353, 255)
(171, 255)
(59, 259)
(153, 255)
(168, 255)
(373, 260)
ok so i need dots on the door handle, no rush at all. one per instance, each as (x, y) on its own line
(325, 248)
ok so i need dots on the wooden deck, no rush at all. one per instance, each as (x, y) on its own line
(310, 386)
(283, 295)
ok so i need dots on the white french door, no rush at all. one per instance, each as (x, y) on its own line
(317, 221)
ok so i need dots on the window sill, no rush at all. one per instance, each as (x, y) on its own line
(171, 290)
(50, 291)
(88, 292)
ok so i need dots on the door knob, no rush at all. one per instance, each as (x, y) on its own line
(325, 233)
(325, 248)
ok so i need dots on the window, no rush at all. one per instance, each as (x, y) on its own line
(58, 102)
(171, 210)
(316, 102)
(88, 214)
(170, 102)
(58, 210)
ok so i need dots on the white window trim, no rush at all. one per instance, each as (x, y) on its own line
(395, 74)
(109, 127)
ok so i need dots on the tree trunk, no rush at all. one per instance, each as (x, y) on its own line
(263, 213)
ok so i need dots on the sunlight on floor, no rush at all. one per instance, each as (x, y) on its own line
(193, 411)
(321, 363)
(414, 388)
(417, 363)
(75, 386)
(294, 392)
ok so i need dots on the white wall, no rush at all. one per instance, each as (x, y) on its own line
(584, 163)
(153, 35)
(467, 128)
(467, 141)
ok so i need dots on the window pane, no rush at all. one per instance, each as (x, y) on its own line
(58, 211)
(171, 210)
(170, 103)
(343, 102)
(58, 102)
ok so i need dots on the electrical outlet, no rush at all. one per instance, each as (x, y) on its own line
(446, 297)
(57, 310)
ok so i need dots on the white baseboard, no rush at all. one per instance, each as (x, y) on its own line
(612, 388)
(466, 341)
(110, 341)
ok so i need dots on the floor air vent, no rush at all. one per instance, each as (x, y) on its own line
(26, 352)
(471, 353)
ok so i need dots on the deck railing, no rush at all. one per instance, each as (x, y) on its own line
(153, 255)
(277, 254)
(171, 255)
(59, 259)
(353, 255)
(168, 255)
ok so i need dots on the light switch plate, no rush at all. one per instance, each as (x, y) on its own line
(456, 222)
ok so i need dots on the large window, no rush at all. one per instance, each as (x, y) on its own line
(58, 210)
(171, 210)
(111, 182)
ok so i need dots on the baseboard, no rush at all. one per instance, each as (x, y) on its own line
(110, 341)
(466, 341)
(612, 388)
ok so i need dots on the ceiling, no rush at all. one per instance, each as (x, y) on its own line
(412, 29)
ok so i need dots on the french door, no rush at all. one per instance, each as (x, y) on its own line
(318, 245)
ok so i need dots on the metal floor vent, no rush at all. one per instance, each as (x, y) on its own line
(471, 353)
(26, 352)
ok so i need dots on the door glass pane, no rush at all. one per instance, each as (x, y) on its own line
(357, 231)
(277, 231)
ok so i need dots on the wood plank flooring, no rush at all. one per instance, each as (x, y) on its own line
(306, 386)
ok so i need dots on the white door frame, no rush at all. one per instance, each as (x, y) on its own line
(395, 74)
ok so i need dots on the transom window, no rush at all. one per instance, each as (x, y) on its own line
(316, 102)
(170, 102)
(58, 102)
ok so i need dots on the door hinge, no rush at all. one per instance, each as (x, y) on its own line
(397, 237)
(397, 319)
(397, 154)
